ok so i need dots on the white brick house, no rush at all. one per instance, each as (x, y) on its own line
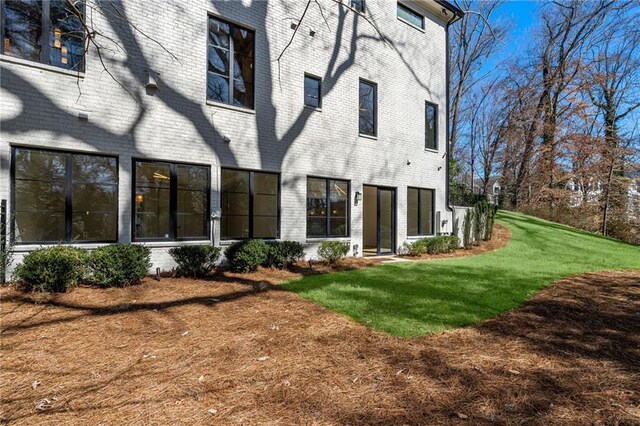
(182, 166)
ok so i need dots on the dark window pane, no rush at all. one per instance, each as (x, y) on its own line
(219, 33)
(242, 94)
(192, 195)
(235, 204)
(152, 200)
(316, 226)
(193, 177)
(412, 212)
(357, 5)
(218, 60)
(94, 212)
(265, 205)
(94, 169)
(367, 108)
(66, 35)
(410, 16)
(426, 212)
(431, 118)
(217, 88)
(312, 91)
(243, 42)
(40, 165)
(22, 29)
(338, 205)
(338, 227)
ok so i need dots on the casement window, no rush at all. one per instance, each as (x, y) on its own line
(327, 208)
(312, 91)
(45, 31)
(171, 201)
(431, 126)
(357, 5)
(420, 211)
(250, 204)
(368, 108)
(230, 44)
(64, 197)
(410, 16)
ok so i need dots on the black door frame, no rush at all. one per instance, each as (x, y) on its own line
(393, 218)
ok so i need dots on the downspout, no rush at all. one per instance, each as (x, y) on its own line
(448, 206)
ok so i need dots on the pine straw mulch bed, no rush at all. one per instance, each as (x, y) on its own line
(238, 350)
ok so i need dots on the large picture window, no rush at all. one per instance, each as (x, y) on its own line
(368, 108)
(64, 197)
(230, 60)
(431, 126)
(171, 201)
(327, 208)
(45, 31)
(250, 204)
(420, 211)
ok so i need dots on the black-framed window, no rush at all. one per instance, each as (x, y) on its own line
(64, 197)
(250, 203)
(327, 207)
(229, 44)
(357, 5)
(312, 91)
(420, 211)
(431, 126)
(368, 106)
(45, 31)
(171, 201)
(410, 16)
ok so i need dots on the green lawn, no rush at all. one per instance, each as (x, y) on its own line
(415, 298)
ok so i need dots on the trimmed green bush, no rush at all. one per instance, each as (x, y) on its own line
(467, 238)
(195, 261)
(283, 254)
(118, 265)
(454, 242)
(51, 269)
(246, 256)
(416, 248)
(332, 251)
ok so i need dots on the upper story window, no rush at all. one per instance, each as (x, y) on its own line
(420, 211)
(64, 197)
(249, 202)
(327, 208)
(45, 31)
(410, 16)
(431, 126)
(368, 107)
(357, 5)
(312, 91)
(230, 61)
(171, 201)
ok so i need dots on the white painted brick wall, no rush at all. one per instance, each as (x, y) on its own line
(39, 107)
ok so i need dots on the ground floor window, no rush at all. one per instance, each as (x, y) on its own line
(420, 211)
(250, 204)
(171, 201)
(64, 197)
(327, 207)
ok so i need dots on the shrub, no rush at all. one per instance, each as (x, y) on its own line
(246, 256)
(283, 254)
(416, 248)
(118, 265)
(437, 245)
(52, 269)
(454, 242)
(195, 261)
(332, 251)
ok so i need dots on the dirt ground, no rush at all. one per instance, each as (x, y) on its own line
(238, 350)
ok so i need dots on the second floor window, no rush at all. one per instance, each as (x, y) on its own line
(368, 108)
(45, 31)
(230, 60)
(431, 126)
(357, 5)
(410, 16)
(312, 96)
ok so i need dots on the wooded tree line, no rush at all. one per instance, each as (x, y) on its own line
(556, 122)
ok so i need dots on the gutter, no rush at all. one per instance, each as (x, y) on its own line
(457, 15)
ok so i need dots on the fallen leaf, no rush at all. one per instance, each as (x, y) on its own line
(462, 416)
(513, 371)
(201, 379)
(212, 411)
(185, 333)
(35, 384)
(263, 358)
(43, 405)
